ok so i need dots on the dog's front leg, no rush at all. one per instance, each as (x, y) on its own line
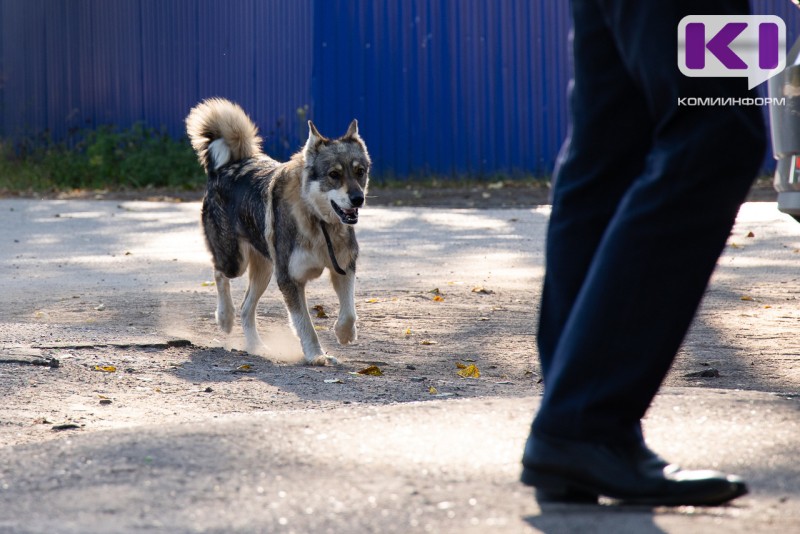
(294, 294)
(225, 311)
(344, 285)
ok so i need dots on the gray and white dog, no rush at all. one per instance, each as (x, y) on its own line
(292, 219)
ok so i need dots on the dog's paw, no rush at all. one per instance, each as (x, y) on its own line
(346, 332)
(322, 360)
(224, 319)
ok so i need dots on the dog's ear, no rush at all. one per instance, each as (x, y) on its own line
(352, 130)
(314, 138)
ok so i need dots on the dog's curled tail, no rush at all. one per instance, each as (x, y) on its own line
(221, 132)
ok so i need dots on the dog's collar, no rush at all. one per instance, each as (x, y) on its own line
(336, 267)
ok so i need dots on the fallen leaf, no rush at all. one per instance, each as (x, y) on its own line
(320, 311)
(438, 298)
(245, 368)
(746, 297)
(105, 368)
(372, 370)
(432, 390)
(408, 331)
(320, 328)
(100, 307)
(750, 234)
(334, 381)
(66, 426)
(435, 291)
(371, 301)
(428, 342)
(470, 371)
(705, 373)
(734, 245)
(482, 290)
(767, 307)
(461, 365)
(208, 283)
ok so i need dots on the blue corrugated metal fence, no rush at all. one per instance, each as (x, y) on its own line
(441, 88)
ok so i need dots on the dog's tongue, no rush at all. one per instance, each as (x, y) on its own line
(351, 211)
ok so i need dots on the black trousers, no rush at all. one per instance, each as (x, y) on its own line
(645, 194)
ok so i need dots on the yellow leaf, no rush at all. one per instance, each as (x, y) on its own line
(320, 328)
(734, 245)
(105, 368)
(246, 368)
(371, 301)
(428, 342)
(767, 307)
(320, 311)
(482, 290)
(432, 390)
(208, 283)
(372, 370)
(438, 298)
(461, 365)
(746, 297)
(470, 371)
(408, 331)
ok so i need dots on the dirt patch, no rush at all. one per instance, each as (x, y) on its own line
(483, 195)
(109, 324)
(418, 344)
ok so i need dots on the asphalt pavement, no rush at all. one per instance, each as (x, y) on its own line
(444, 465)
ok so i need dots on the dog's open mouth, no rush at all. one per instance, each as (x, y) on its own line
(347, 216)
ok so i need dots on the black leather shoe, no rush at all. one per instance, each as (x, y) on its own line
(577, 471)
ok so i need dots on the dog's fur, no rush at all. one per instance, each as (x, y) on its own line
(268, 217)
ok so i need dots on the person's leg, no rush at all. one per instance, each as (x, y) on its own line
(648, 273)
(618, 303)
(609, 137)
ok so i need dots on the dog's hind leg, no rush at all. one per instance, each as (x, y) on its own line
(294, 294)
(259, 273)
(225, 311)
(345, 328)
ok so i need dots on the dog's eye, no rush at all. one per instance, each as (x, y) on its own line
(360, 172)
(335, 175)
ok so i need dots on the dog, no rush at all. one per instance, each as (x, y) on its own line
(291, 219)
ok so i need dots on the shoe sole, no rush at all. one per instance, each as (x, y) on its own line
(557, 488)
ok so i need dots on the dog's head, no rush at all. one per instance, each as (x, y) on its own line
(335, 174)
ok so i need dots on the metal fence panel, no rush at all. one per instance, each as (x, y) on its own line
(441, 88)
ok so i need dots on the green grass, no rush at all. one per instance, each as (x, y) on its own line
(106, 158)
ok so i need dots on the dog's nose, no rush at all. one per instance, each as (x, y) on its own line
(357, 199)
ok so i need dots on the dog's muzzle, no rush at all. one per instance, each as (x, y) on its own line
(348, 216)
